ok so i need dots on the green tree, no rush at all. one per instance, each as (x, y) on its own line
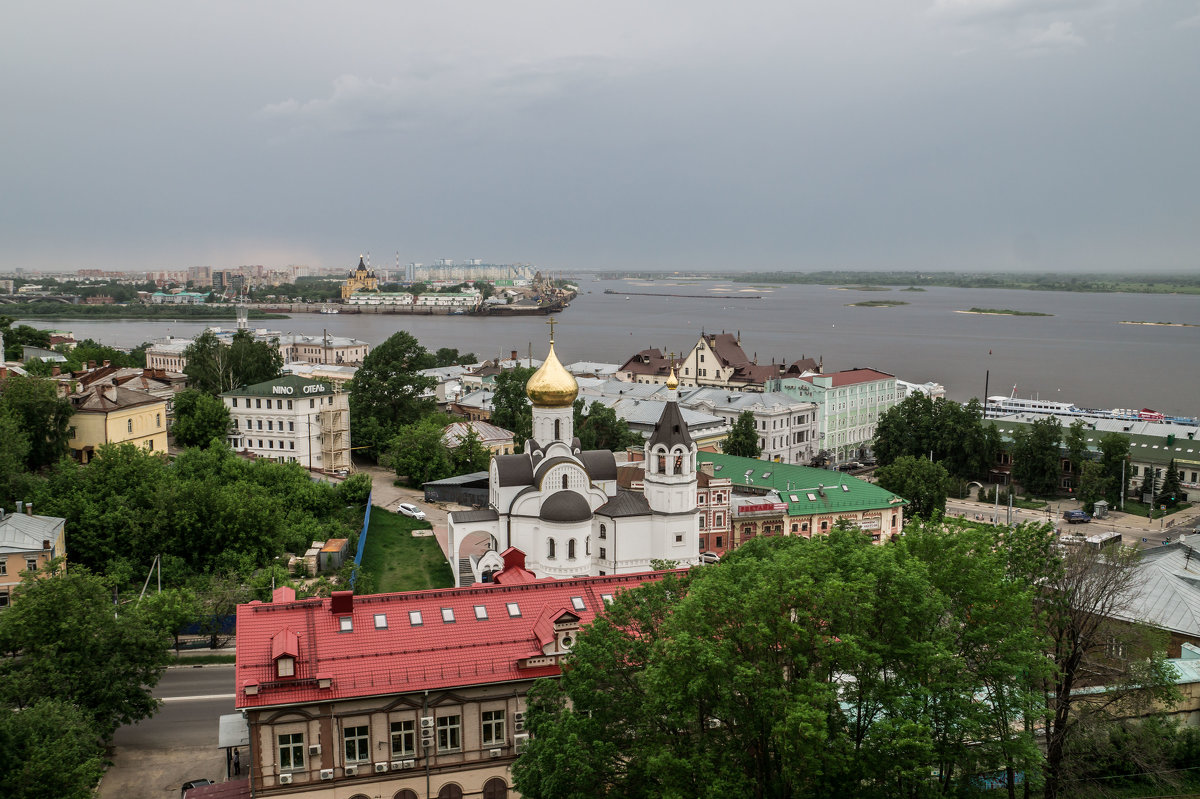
(20, 336)
(170, 610)
(387, 393)
(923, 483)
(1075, 441)
(953, 433)
(905, 429)
(49, 749)
(214, 367)
(63, 639)
(601, 428)
(44, 417)
(510, 405)
(470, 455)
(1114, 458)
(14, 454)
(1093, 485)
(802, 680)
(199, 418)
(1171, 492)
(449, 356)
(743, 438)
(1037, 462)
(418, 453)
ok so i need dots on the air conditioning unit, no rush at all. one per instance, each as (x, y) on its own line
(326, 773)
(519, 725)
(427, 722)
(285, 779)
(314, 750)
(410, 764)
(350, 771)
(397, 765)
(495, 752)
(519, 743)
(519, 715)
(381, 767)
(427, 742)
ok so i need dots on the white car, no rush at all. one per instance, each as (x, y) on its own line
(410, 510)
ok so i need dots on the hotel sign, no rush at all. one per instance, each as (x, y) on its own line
(311, 388)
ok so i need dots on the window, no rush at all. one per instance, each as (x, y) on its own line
(661, 460)
(607, 598)
(558, 436)
(481, 613)
(603, 553)
(4, 566)
(720, 519)
(549, 549)
(603, 532)
(270, 425)
(577, 603)
(271, 444)
(719, 542)
(289, 405)
(158, 419)
(449, 731)
(701, 521)
(285, 667)
(235, 402)
(291, 445)
(31, 564)
(414, 618)
(450, 791)
(291, 752)
(312, 403)
(380, 621)
(260, 424)
(346, 623)
(495, 789)
(249, 425)
(448, 615)
(404, 738)
(493, 726)
(564, 482)
(571, 549)
(678, 464)
(4, 598)
(149, 445)
(355, 739)
(514, 610)
(129, 425)
(291, 427)
(258, 403)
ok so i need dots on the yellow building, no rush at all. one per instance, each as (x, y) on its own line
(27, 543)
(363, 279)
(115, 415)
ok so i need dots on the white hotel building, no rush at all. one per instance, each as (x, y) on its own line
(292, 419)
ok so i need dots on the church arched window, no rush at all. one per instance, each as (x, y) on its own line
(587, 546)
(564, 482)
(549, 549)
(678, 464)
(603, 532)
(558, 430)
(571, 549)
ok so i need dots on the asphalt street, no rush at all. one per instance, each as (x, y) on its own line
(179, 743)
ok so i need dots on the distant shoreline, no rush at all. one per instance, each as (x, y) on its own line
(1160, 324)
(1003, 312)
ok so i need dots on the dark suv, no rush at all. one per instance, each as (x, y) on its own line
(1076, 517)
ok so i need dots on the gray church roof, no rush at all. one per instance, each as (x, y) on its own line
(514, 470)
(565, 506)
(670, 429)
(625, 503)
(484, 515)
(600, 464)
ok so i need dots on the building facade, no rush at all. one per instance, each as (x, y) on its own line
(419, 694)
(111, 414)
(292, 419)
(27, 543)
(363, 279)
(849, 405)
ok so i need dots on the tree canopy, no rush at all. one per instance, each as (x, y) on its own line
(43, 417)
(418, 453)
(510, 405)
(743, 438)
(1037, 460)
(601, 428)
(923, 483)
(199, 418)
(1114, 457)
(955, 435)
(786, 672)
(215, 367)
(387, 392)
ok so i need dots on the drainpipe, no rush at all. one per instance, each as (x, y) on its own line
(425, 753)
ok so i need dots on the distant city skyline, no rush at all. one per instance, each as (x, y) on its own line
(934, 135)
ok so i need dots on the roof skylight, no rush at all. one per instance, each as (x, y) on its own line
(577, 603)
(481, 613)
(448, 615)
(414, 618)
(380, 621)
(514, 609)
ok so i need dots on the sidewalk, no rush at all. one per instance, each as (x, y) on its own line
(1133, 528)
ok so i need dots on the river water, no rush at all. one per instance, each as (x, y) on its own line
(1080, 354)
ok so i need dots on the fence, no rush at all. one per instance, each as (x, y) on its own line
(362, 542)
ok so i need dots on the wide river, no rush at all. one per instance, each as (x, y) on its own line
(1080, 354)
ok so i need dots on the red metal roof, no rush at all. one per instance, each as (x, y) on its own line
(852, 376)
(436, 651)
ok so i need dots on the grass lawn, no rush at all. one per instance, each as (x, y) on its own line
(196, 660)
(1135, 508)
(400, 562)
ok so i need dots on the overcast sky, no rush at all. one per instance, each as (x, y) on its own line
(649, 134)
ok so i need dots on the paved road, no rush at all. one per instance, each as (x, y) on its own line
(1133, 529)
(179, 743)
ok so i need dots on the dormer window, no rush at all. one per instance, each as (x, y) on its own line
(285, 667)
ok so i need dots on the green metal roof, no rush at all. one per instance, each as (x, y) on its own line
(800, 486)
(288, 386)
(1142, 448)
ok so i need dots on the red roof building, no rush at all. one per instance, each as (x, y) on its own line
(421, 691)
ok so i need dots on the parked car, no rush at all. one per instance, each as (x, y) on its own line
(187, 786)
(1076, 517)
(410, 510)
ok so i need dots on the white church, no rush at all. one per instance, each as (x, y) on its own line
(561, 506)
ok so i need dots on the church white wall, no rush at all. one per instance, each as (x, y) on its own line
(543, 424)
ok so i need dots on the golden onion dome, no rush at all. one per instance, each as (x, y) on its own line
(672, 381)
(552, 386)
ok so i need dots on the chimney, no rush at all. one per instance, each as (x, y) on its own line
(45, 543)
(707, 468)
(3, 372)
(55, 371)
(107, 364)
(513, 356)
(342, 603)
(28, 508)
(110, 393)
(20, 507)
(147, 373)
(91, 364)
(161, 374)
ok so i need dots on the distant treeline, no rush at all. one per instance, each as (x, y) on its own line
(1140, 284)
(61, 311)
